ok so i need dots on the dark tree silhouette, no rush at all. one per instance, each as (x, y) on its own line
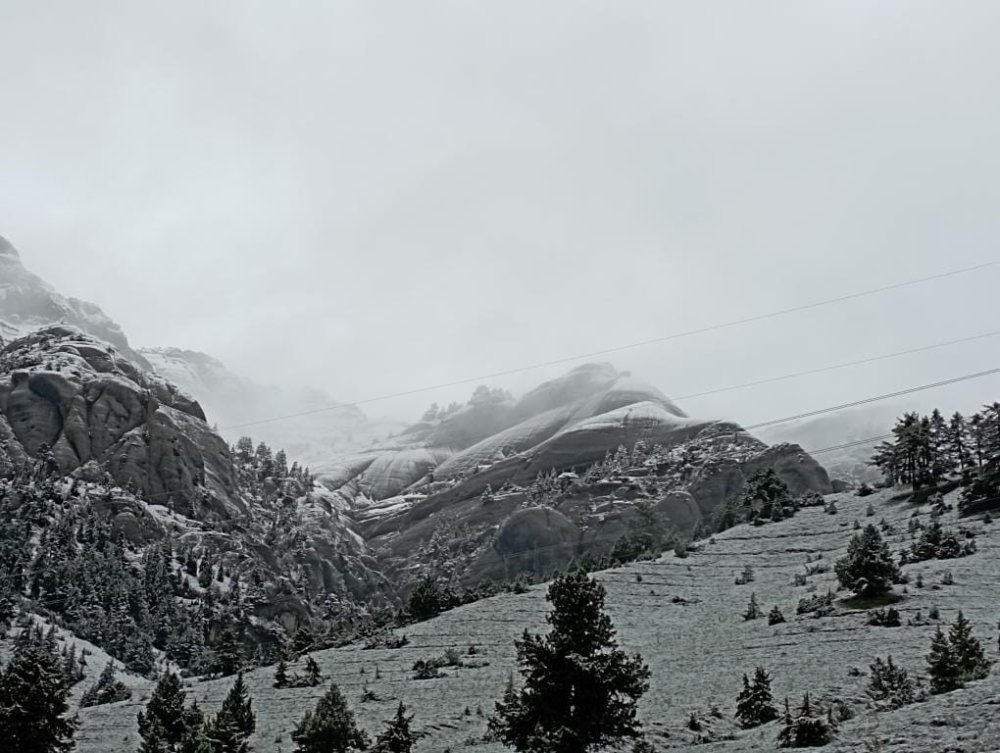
(580, 690)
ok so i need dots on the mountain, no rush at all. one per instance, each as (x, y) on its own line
(201, 540)
(27, 302)
(311, 428)
(500, 486)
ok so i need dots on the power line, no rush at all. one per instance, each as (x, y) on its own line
(848, 445)
(619, 348)
(834, 367)
(787, 419)
(876, 398)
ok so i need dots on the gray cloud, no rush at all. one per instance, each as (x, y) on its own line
(371, 197)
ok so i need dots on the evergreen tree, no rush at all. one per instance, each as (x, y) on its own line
(397, 736)
(807, 730)
(330, 728)
(164, 717)
(890, 683)
(229, 655)
(33, 702)
(754, 705)
(580, 690)
(238, 707)
(281, 675)
(941, 666)
(868, 569)
(153, 740)
(313, 675)
(967, 651)
(753, 609)
(107, 689)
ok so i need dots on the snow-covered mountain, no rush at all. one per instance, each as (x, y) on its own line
(311, 429)
(27, 302)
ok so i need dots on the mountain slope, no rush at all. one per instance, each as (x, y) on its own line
(684, 617)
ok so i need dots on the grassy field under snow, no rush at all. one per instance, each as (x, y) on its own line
(698, 647)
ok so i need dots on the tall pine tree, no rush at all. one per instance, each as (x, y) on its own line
(330, 728)
(33, 702)
(580, 690)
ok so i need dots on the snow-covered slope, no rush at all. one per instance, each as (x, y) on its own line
(684, 617)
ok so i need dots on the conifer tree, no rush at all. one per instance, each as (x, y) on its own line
(580, 690)
(281, 674)
(313, 675)
(397, 737)
(890, 683)
(754, 705)
(967, 651)
(753, 609)
(330, 728)
(107, 689)
(941, 665)
(164, 717)
(869, 568)
(807, 730)
(239, 708)
(33, 701)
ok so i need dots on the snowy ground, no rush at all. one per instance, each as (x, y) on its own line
(697, 651)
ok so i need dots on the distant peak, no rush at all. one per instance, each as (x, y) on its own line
(7, 251)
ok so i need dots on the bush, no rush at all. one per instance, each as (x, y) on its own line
(868, 569)
(819, 605)
(753, 609)
(864, 490)
(808, 729)
(884, 618)
(107, 689)
(745, 577)
(775, 617)
(891, 684)
(429, 599)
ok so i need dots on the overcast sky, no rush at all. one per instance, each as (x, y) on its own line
(373, 196)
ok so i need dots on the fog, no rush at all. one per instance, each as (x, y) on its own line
(370, 198)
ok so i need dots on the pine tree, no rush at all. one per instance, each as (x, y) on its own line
(238, 707)
(806, 730)
(580, 690)
(107, 689)
(313, 675)
(153, 740)
(33, 702)
(890, 683)
(281, 675)
(869, 568)
(330, 728)
(967, 651)
(941, 665)
(164, 716)
(397, 736)
(229, 655)
(753, 609)
(754, 705)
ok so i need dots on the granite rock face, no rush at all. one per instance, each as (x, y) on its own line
(66, 392)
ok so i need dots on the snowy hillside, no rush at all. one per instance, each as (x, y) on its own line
(684, 617)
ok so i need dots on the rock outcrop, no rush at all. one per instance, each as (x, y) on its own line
(67, 395)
